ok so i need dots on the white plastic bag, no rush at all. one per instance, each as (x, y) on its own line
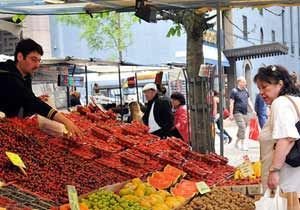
(271, 203)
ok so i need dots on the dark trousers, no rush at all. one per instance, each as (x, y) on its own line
(219, 127)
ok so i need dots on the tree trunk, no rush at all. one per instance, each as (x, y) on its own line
(201, 135)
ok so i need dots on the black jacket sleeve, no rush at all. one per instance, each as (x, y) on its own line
(165, 115)
(23, 96)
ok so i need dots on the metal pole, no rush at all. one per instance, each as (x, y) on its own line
(68, 96)
(86, 86)
(221, 83)
(120, 89)
(137, 88)
(187, 102)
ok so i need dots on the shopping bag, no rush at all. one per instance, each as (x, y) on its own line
(226, 113)
(254, 129)
(271, 203)
(292, 200)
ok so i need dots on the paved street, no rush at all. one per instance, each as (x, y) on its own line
(235, 155)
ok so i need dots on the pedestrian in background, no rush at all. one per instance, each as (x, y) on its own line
(239, 101)
(216, 115)
(261, 110)
(135, 112)
(180, 129)
(158, 115)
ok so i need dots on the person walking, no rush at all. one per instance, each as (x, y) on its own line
(261, 110)
(239, 101)
(216, 115)
(279, 133)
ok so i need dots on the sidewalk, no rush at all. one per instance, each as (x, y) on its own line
(234, 155)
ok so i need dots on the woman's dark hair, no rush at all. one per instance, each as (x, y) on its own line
(273, 74)
(178, 96)
(216, 93)
(26, 46)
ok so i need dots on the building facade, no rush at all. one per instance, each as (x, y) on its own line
(261, 26)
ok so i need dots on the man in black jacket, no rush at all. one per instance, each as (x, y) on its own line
(17, 98)
(158, 115)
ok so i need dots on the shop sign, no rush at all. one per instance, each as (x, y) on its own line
(246, 169)
(203, 187)
(73, 197)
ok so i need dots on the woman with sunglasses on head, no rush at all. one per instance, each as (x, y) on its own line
(279, 133)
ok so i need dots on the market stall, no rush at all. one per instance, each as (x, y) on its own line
(111, 152)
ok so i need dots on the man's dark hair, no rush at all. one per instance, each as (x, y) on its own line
(273, 74)
(26, 46)
(178, 96)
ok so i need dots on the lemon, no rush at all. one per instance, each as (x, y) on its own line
(160, 206)
(172, 202)
(136, 181)
(145, 203)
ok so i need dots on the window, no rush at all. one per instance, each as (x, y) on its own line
(273, 36)
(283, 26)
(292, 31)
(245, 28)
(261, 36)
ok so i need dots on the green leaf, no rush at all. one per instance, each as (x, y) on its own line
(18, 18)
(105, 31)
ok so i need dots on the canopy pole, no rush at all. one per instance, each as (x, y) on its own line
(137, 88)
(86, 86)
(187, 102)
(120, 89)
(221, 83)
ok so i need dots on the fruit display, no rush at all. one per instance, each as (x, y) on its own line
(166, 178)
(240, 179)
(105, 200)
(256, 167)
(147, 196)
(245, 181)
(109, 152)
(185, 188)
(221, 199)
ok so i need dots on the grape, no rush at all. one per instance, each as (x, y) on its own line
(106, 200)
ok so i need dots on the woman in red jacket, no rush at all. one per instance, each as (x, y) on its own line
(180, 129)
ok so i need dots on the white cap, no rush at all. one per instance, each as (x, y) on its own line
(150, 86)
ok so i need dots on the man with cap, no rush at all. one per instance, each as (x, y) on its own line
(158, 115)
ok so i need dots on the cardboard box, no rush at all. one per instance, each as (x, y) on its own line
(254, 189)
(227, 187)
(239, 188)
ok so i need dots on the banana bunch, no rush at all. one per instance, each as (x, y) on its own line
(256, 166)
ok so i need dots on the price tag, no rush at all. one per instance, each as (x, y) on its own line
(202, 187)
(15, 159)
(246, 169)
(73, 197)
